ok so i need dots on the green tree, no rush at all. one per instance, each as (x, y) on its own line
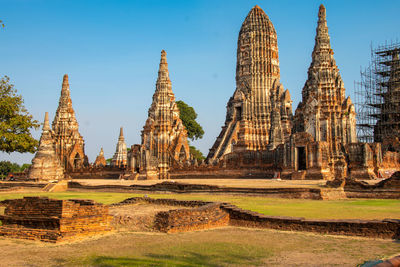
(6, 167)
(24, 167)
(196, 153)
(15, 121)
(188, 117)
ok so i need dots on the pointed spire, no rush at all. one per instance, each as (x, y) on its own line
(322, 39)
(46, 124)
(256, 7)
(163, 73)
(322, 12)
(101, 152)
(65, 85)
(121, 134)
(65, 98)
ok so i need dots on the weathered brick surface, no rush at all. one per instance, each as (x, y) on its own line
(41, 218)
(182, 220)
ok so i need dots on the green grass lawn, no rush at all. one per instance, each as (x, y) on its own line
(317, 209)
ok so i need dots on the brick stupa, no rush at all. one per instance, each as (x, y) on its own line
(46, 164)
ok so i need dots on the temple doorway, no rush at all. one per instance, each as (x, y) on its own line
(182, 154)
(238, 113)
(301, 158)
(77, 161)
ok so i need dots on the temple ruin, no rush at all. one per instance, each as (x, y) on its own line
(325, 120)
(261, 137)
(100, 159)
(164, 138)
(70, 146)
(46, 164)
(120, 157)
(260, 111)
(53, 220)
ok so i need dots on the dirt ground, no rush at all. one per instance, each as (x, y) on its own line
(226, 246)
(254, 183)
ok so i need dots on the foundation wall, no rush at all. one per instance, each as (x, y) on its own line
(44, 219)
(387, 228)
(183, 220)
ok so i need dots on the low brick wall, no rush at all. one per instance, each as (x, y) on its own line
(51, 220)
(16, 185)
(205, 215)
(182, 220)
(388, 228)
(373, 193)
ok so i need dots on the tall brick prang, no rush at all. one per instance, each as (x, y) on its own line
(70, 146)
(324, 111)
(258, 93)
(164, 138)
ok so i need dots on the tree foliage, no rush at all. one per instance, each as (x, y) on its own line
(196, 153)
(188, 117)
(7, 167)
(15, 121)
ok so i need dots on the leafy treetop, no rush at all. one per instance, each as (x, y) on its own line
(15, 121)
(188, 117)
(196, 153)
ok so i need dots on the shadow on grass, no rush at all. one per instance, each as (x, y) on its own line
(186, 259)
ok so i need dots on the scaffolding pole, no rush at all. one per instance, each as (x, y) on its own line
(377, 95)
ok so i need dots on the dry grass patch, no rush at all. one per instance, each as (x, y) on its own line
(219, 247)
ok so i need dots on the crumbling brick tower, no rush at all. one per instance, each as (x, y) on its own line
(164, 138)
(250, 124)
(325, 112)
(120, 156)
(69, 142)
(46, 164)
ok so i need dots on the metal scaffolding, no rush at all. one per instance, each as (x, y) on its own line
(378, 95)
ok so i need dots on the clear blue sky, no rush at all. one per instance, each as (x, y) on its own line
(111, 50)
